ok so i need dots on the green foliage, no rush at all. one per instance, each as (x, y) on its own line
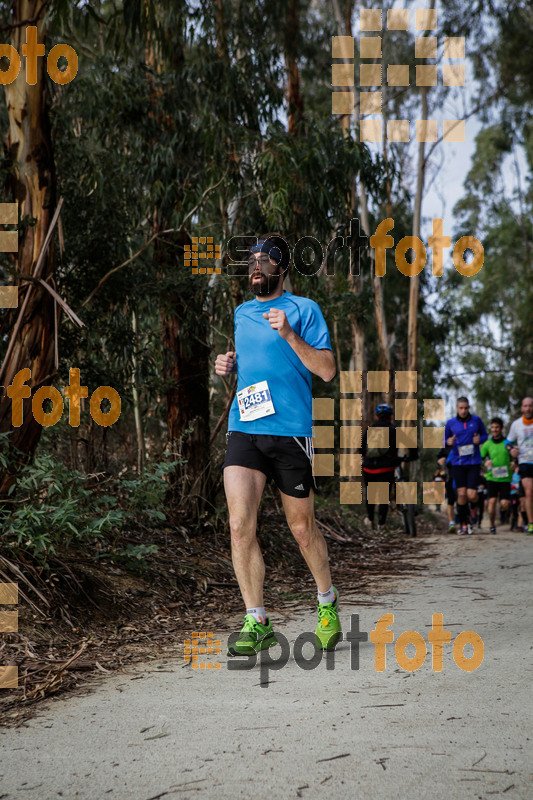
(54, 510)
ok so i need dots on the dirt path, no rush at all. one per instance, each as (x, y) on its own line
(167, 731)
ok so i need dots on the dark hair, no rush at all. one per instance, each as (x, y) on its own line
(463, 400)
(497, 421)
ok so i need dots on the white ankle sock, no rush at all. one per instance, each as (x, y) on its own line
(326, 597)
(258, 613)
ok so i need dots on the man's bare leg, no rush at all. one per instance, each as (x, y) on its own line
(244, 489)
(527, 483)
(492, 511)
(300, 514)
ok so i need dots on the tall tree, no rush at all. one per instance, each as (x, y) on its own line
(32, 182)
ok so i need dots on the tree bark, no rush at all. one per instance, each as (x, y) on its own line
(135, 395)
(414, 286)
(294, 98)
(186, 368)
(33, 184)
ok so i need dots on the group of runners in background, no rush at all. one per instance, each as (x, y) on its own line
(476, 468)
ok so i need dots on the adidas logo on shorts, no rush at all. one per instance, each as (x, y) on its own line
(300, 487)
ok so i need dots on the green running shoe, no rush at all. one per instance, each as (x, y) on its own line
(529, 529)
(253, 637)
(328, 629)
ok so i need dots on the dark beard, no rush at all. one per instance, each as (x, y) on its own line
(267, 285)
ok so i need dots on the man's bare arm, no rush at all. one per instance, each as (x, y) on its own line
(319, 362)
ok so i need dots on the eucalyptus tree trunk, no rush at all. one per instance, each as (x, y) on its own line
(184, 338)
(33, 185)
(414, 281)
(358, 200)
(294, 98)
(414, 285)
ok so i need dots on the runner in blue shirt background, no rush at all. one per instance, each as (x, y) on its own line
(464, 433)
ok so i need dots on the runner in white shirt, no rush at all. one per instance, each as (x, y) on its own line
(520, 443)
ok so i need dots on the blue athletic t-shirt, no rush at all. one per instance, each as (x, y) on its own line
(263, 355)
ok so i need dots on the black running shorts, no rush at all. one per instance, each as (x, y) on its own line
(450, 493)
(502, 488)
(525, 470)
(466, 476)
(287, 460)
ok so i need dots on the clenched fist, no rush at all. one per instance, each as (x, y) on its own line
(278, 321)
(226, 364)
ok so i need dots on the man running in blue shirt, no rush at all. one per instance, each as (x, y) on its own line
(280, 340)
(464, 433)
